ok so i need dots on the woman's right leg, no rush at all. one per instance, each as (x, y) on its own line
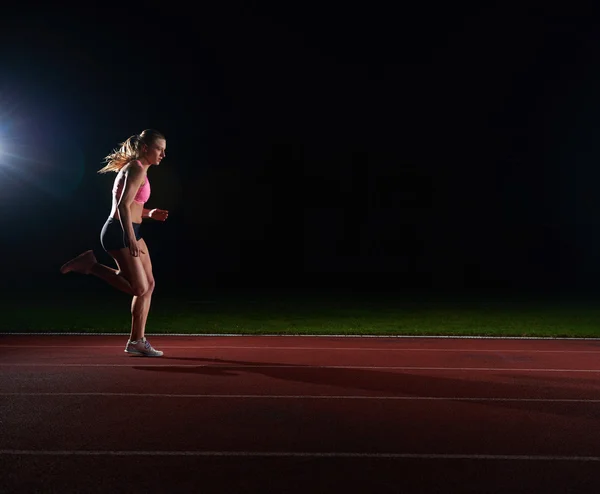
(133, 276)
(130, 277)
(86, 263)
(112, 277)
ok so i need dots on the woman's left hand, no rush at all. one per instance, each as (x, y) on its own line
(158, 214)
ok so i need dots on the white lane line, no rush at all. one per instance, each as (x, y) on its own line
(306, 397)
(306, 367)
(279, 348)
(303, 454)
(323, 336)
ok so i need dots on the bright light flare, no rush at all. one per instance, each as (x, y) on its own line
(32, 164)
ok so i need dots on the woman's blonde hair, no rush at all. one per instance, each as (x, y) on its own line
(131, 149)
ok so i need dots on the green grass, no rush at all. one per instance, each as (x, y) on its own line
(329, 315)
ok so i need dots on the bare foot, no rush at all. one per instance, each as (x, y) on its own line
(81, 264)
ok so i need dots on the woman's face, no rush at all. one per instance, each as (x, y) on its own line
(156, 152)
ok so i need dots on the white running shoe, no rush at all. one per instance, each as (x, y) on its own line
(83, 263)
(142, 347)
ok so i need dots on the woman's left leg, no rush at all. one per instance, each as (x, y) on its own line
(140, 305)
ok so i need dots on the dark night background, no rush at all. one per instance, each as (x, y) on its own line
(310, 145)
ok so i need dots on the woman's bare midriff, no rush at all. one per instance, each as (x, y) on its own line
(135, 211)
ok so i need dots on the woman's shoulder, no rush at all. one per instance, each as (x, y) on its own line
(133, 166)
(135, 162)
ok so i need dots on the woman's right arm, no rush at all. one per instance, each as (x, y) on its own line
(133, 180)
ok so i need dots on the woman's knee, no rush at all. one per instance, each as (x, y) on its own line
(151, 286)
(139, 289)
(142, 288)
(133, 271)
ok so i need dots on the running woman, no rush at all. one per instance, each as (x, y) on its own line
(121, 235)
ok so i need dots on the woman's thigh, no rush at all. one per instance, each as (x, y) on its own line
(146, 262)
(132, 268)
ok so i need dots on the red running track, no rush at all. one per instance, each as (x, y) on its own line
(299, 415)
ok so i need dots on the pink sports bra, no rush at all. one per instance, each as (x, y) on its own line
(143, 193)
